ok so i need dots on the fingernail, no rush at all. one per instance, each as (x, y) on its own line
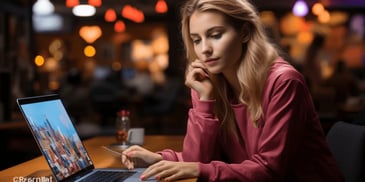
(142, 177)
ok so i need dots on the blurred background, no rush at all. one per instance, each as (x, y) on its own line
(128, 54)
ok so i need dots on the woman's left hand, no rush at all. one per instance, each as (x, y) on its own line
(171, 171)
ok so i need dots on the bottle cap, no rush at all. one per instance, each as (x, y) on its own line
(123, 112)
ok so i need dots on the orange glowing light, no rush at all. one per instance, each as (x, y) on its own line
(95, 3)
(119, 26)
(110, 15)
(317, 9)
(161, 6)
(324, 17)
(90, 33)
(39, 60)
(132, 13)
(89, 51)
(72, 3)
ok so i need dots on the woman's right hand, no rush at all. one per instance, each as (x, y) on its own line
(135, 152)
(198, 79)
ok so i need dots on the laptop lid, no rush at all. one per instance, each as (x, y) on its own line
(55, 135)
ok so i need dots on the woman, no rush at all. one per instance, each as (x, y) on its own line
(252, 117)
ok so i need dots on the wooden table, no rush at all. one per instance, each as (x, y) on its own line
(100, 157)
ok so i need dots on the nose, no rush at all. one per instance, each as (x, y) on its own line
(206, 48)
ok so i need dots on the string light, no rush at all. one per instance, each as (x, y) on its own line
(119, 26)
(161, 6)
(317, 9)
(39, 60)
(89, 51)
(110, 15)
(133, 14)
(72, 3)
(95, 3)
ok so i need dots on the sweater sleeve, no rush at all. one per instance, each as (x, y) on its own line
(284, 116)
(200, 142)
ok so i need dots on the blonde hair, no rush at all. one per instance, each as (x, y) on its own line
(258, 55)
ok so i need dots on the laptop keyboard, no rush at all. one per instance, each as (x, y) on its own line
(108, 176)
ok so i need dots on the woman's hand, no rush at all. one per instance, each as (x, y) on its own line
(197, 78)
(171, 171)
(135, 152)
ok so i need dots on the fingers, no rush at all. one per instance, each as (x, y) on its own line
(135, 153)
(196, 72)
(128, 162)
(153, 170)
(163, 171)
(128, 157)
(197, 64)
(197, 78)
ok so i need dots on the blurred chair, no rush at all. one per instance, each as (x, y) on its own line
(347, 143)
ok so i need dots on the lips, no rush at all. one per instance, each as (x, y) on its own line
(210, 61)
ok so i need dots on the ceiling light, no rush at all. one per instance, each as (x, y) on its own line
(83, 10)
(43, 7)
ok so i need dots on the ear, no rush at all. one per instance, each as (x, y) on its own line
(245, 32)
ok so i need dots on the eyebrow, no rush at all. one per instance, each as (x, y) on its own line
(209, 30)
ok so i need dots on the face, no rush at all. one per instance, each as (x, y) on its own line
(216, 43)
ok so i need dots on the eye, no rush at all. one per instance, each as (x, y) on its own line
(216, 35)
(195, 41)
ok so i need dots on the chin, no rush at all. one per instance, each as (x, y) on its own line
(214, 71)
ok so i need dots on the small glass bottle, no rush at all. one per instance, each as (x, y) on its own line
(122, 125)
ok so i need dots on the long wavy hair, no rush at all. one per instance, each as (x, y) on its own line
(258, 55)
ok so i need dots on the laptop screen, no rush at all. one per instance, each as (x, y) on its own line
(56, 135)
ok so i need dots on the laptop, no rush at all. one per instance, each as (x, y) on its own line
(61, 145)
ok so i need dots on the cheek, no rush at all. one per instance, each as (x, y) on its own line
(197, 51)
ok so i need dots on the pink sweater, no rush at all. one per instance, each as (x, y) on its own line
(288, 144)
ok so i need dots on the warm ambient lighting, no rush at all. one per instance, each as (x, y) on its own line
(110, 15)
(95, 3)
(43, 7)
(90, 33)
(83, 10)
(300, 8)
(119, 26)
(133, 14)
(324, 17)
(317, 9)
(72, 3)
(89, 51)
(161, 6)
(39, 60)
